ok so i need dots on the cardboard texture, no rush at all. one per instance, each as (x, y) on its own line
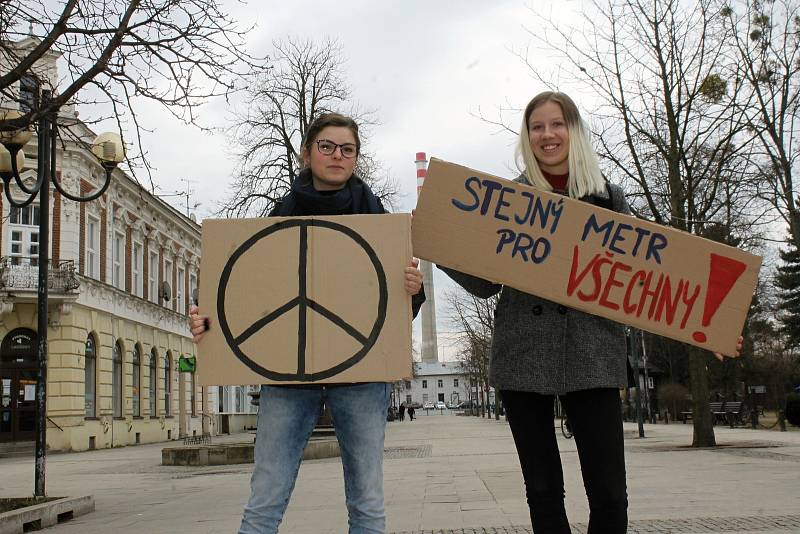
(305, 300)
(635, 272)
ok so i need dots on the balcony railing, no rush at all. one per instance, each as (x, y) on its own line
(18, 273)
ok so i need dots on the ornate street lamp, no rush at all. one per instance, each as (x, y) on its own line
(109, 150)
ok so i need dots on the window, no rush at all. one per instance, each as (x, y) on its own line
(136, 360)
(168, 278)
(16, 246)
(455, 382)
(28, 93)
(24, 235)
(117, 258)
(407, 384)
(117, 384)
(153, 276)
(239, 399)
(167, 383)
(440, 383)
(179, 290)
(34, 248)
(153, 381)
(137, 266)
(89, 378)
(408, 399)
(27, 216)
(192, 287)
(424, 384)
(92, 245)
(424, 398)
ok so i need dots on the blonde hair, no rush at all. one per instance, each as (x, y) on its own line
(585, 177)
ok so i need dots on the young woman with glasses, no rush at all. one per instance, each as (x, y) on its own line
(541, 349)
(288, 414)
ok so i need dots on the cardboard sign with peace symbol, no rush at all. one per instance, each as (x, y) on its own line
(305, 300)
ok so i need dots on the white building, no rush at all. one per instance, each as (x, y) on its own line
(235, 411)
(432, 382)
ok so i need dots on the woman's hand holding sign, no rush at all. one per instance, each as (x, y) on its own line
(198, 324)
(721, 356)
(413, 280)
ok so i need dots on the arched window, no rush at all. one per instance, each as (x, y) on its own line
(167, 383)
(90, 377)
(117, 384)
(153, 389)
(136, 360)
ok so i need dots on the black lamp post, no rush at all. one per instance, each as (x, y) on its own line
(109, 150)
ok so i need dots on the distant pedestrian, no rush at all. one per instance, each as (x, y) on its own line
(411, 412)
(402, 412)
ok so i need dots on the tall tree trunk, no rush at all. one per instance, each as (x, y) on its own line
(702, 418)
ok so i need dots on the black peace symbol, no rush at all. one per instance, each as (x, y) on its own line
(302, 302)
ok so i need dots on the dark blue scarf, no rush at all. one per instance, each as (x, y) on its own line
(354, 198)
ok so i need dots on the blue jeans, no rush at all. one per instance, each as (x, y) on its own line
(286, 417)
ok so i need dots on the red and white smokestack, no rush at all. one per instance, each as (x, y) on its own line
(422, 169)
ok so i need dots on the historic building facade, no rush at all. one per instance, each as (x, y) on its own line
(122, 272)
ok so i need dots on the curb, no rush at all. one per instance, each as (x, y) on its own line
(238, 453)
(45, 515)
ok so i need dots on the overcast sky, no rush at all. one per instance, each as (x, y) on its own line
(425, 67)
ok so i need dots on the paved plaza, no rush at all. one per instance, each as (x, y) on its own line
(443, 474)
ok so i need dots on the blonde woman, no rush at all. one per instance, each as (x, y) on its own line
(541, 349)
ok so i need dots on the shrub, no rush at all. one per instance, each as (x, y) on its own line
(673, 397)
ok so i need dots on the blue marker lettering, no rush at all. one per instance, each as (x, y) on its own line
(501, 203)
(490, 187)
(472, 180)
(657, 242)
(591, 224)
(618, 237)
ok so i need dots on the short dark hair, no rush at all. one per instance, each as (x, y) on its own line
(330, 119)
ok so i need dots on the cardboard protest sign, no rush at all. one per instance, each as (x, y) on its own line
(300, 299)
(635, 272)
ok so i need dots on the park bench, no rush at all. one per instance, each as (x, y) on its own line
(685, 416)
(733, 412)
(717, 411)
(724, 412)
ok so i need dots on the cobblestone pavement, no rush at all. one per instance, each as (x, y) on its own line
(786, 523)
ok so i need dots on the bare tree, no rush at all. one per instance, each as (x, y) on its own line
(666, 123)
(307, 79)
(178, 53)
(765, 38)
(473, 322)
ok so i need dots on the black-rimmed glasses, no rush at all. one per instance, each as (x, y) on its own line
(326, 147)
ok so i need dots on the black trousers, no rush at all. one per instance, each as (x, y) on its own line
(596, 423)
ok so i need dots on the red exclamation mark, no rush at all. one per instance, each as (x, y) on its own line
(723, 274)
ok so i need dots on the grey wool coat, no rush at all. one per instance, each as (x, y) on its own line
(544, 347)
